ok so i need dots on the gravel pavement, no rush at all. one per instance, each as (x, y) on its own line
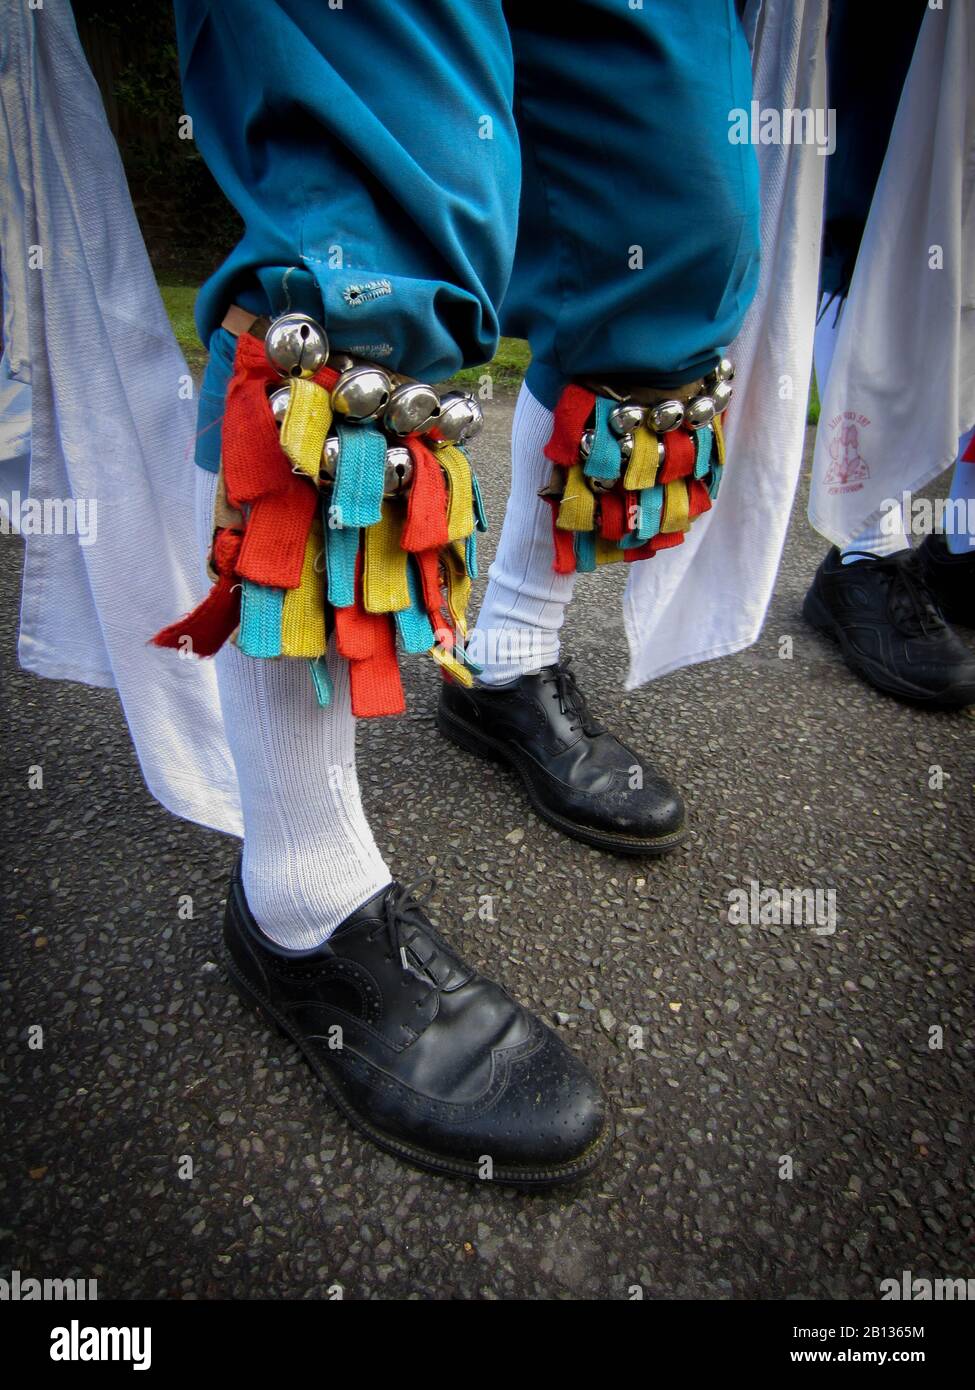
(794, 1106)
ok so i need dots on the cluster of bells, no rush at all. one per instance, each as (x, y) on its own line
(694, 414)
(297, 346)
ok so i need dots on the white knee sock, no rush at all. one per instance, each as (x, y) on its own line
(960, 533)
(523, 609)
(885, 538)
(309, 855)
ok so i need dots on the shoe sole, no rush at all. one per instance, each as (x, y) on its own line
(818, 616)
(535, 1177)
(461, 733)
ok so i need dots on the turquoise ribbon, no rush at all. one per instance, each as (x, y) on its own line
(480, 515)
(703, 439)
(358, 492)
(321, 680)
(604, 461)
(413, 625)
(261, 610)
(341, 548)
(651, 511)
(470, 555)
(715, 482)
(584, 543)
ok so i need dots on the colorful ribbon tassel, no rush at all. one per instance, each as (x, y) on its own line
(605, 508)
(308, 556)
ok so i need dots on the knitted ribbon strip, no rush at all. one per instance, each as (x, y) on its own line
(385, 584)
(303, 615)
(358, 493)
(460, 492)
(305, 426)
(573, 409)
(413, 625)
(426, 514)
(208, 626)
(260, 620)
(367, 641)
(604, 461)
(258, 473)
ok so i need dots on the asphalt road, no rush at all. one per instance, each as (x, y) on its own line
(789, 1127)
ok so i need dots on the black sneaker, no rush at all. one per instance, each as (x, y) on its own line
(951, 578)
(428, 1059)
(890, 629)
(579, 777)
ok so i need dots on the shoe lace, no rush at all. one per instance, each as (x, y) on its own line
(911, 602)
(571, 700)
(402, 910)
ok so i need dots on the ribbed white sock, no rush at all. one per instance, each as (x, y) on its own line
(309, 855)
(885, 538)
(880, 539)
(524, 607)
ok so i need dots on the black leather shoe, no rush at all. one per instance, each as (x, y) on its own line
(427, 1058)
(890, 629)
(579, 777)
(951, 578)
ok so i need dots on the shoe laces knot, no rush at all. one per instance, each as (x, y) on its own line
(572, 702)
(911, 603)
(405, 921)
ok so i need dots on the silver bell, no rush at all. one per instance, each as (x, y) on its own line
(585, 443)
(361, 393)
(626, 446)
(278, 401)
(330, 457)
(721, 395)
(412, 407)
(666, 416)
(399, 471)
(460, 417)
(626, 417)
(725, 369)
(602, 484)
(700, 411)
(296, 345)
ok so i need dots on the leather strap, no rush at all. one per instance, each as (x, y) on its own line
(237, 321)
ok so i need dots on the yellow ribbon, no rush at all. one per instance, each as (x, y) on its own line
(577, 510)
(450, 663)
(607, 551)
(641, 471)
(458, 584)
(719, 438)
(460, 492)
(305, 426)
(303, 614)
(676, 507)
(385, 587)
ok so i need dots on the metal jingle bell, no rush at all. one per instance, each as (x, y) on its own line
(586, 442)
(602, 484)
(721, 395)
(725, 369)
(626, 417)
(460, 417)
(296, 345)
(626, 446)
(278, 401)
(666, 416)
(398, 472)
(361, 393)
(330, 457)
(700, 411)
(412, 407)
